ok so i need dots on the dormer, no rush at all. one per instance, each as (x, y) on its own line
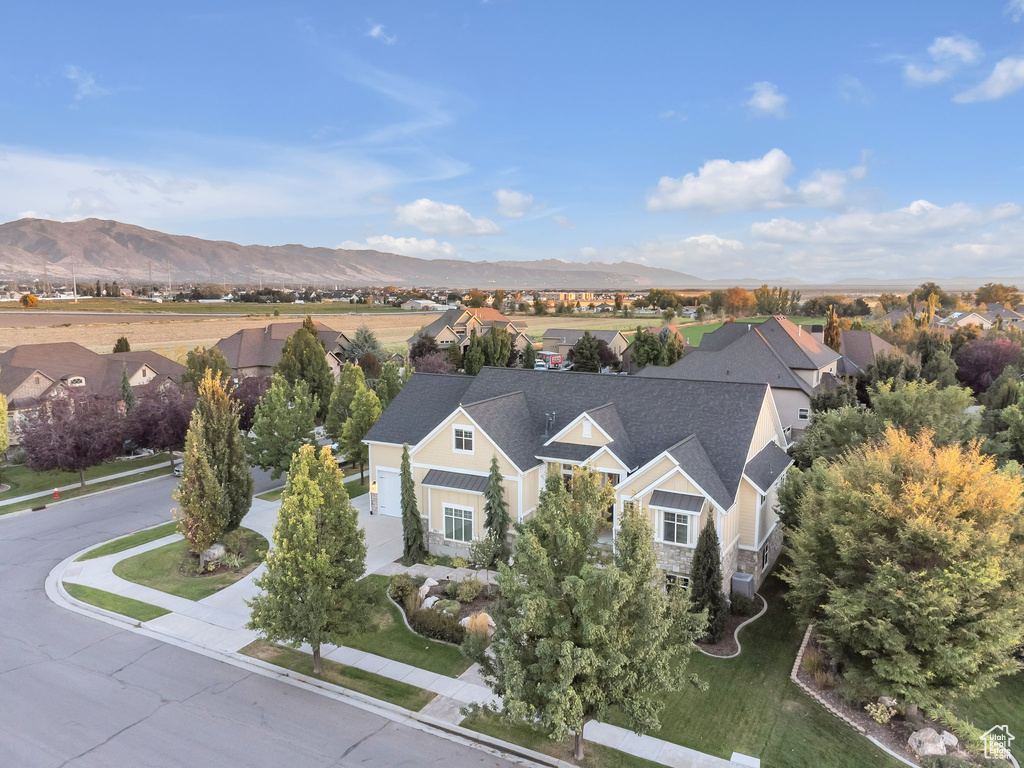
(583, 430)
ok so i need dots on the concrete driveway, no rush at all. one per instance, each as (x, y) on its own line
(383, 535)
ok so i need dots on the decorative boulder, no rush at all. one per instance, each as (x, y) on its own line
(887, 701)
(429, 602)
(425, 588)
(214, 553)
(927, 742)
(949, 739)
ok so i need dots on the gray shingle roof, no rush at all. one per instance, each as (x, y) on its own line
(765, 468)
(862, 348)
(794, 345)
(574, 452)
(684, 502)
(424, 402)
(458, 481)
(697, 464)
(506, 420)
(571, 336)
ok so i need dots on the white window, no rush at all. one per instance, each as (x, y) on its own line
(586, 429)
(458, 523)
(76, 381)
(676, 580)
(145, 372)
(764, 498)
(676, 527)
(803, 414)
(463, 440)
(764, 557)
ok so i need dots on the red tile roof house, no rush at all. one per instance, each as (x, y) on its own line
(255, 351)
(32, 373)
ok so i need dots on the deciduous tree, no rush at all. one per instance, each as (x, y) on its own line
(388, 385)
(284, 422)
(203, 510)
(438, 362)
(340, 408)
(310, 590)
(365, 412)
(980, 362)
(303, 359)
(474, 359)
(646, 349)
(248, 393)
(425, 344)
(225, 446)
(833, 334)
(201, 359)
(160, 420)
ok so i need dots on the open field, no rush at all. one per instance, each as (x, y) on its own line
(232, 308)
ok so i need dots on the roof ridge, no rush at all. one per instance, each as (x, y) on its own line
(489, 399)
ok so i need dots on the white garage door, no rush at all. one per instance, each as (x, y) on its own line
(389, 492)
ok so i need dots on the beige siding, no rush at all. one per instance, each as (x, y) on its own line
(730, 528)
(789, 402)
(765, 431)
(447, 336)
(641, 480)
(387, 456)
(767, 514)
(439, 451)
(575, 435)
(438, 497)
(531, 489)
(746, 511)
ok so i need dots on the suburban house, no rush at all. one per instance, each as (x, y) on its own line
(456, 326)
(255, 351)
(860, 350)
(792, 359)
(1008, 318)
(685, 451)
(30, 374)
(960, 319)
(560, 340)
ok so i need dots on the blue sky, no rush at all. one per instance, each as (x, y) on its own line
(817, 140)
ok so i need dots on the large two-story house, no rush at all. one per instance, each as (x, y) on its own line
(255, 351)
(685, 451)
(456, 327)
(562, 340)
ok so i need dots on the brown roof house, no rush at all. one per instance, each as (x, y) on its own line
(456, 326)
(33, 373)
(560, 341)
(861, 350)
(255, 351)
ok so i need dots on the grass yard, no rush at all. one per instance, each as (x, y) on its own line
(367, 683)
(1002, 705)
(594, 755)
(162, 569)
(752, 707)
(353, 488)
(390, 638)
(133, 609)
(24, 481)
(103, 485)
(131, 540)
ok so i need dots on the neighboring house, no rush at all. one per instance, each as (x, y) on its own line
(860, 350)
(791, 358)
(961, 319)
(456, 327)
(560, 340)
(30, 374)
(255, 351)
(1009, 318)
(685, 451)
(424, 305)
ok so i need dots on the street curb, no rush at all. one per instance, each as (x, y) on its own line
(54, 587)
(20, 512)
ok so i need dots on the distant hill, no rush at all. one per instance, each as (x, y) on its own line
(111, 250)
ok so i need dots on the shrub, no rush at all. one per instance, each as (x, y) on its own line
(412, 602)
(880, 713)
(236, 543)
(231, 560)
(399, 586)
(460, 562)
(451, 588)
(448, 606)
(478, 623)
(743, 605)
(468, 589)
(824, 680)
(483, 552)
(438, 625)
(813, 661)
(945, 761)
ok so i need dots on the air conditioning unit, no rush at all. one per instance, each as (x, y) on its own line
(743, 584)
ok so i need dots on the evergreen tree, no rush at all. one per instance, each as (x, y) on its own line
(584, 354)
(303, 359)
(225, 446)
(497, 346)
(340, 407)
(672, 347)
(201, 359)
(283, 423)
(122, 345)
(833, 334)
(310, 590)
(99, 289)
(365, 412)
(203, 510)
(127, 395)
(646, 349)
(388, 385)
(706, 581)
(413, 548)
(310, 327)
(529, 356)
(940, 370)
(5, 438)
(474, 358)
(455, 357)
(496, 519)
(364, 343)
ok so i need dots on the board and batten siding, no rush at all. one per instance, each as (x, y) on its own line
(439, 451)
(575, 435)
(766, 429)
(440, 496)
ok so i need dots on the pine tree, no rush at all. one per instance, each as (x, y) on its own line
(310, 590)
(706, 581)
(364, 342)
(203, 513)
(833, 334)
(473, 360)
(283, 423)
(388, 385)
(225, 446)
(303, 359)
(365, 412)
(340, 407)
(584, 354)
(413, 548)
(122, 345)
(310, 327)
(529, 356)
(127, 395)
(455, 357)
(201, 359)
(496, 519)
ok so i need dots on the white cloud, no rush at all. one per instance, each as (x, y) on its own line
(949, 54)
(1015, 9)
(564, 222)
(436, 218)
(706, 254)
(824, 189)
(1006, 77)
(513, 204)
(766, 100)
(85, 83)
(422, 248)
(851, 89)
(377, 32)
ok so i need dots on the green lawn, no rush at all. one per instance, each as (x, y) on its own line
(134, 609)
(694, 332)
(386, 689)
(594, 755)
(131, 540)
(752, 707)
(391, 639)
(24, 480)
(162, 569)
(103, 485)
(1002, 705)
(352, 486)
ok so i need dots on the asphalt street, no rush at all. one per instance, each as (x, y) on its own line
(75, 691)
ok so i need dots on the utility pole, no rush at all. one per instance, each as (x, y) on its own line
(74, 280)
(168, 276)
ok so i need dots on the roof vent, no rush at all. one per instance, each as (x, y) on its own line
(549, 423)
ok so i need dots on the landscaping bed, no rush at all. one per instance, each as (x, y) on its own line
(173, 569)
(442, 610)
(728, 646)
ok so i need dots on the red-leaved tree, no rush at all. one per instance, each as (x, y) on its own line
(160, 420)
(248, 394)
(435, 363)
(982, 360)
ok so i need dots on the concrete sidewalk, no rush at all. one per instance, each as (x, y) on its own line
(92, 481)
(219, 623)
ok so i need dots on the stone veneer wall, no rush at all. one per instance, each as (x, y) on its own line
(750, 562)
(673, 559)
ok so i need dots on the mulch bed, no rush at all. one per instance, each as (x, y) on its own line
(482, 602)
(728, 646)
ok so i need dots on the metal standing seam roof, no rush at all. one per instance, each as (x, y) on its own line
(683, 502)
(457, 481)
(765, 468)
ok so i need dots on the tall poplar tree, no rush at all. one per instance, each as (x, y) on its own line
(310, 588)
(833, 334)
(127, 396)
(388, 385)
(413, 548)
(226, 446)
(283, 423)
(474, 359)
(203, 509)
(365, 412)
(340, 407)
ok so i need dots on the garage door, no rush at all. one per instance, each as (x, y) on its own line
(389, 492)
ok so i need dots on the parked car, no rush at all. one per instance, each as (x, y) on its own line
(177, 469)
